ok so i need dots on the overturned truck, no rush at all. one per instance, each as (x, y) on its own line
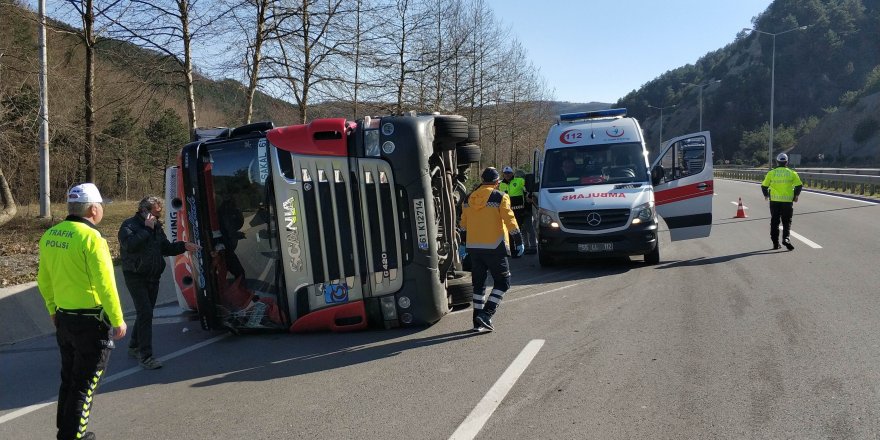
(333, 225)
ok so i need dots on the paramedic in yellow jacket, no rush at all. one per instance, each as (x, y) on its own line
(781, 186)
(77, 282)
(486, 221)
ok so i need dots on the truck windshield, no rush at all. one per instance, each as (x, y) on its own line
(594, 165)
(240, 177)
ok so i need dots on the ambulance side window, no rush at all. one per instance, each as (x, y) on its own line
(684, 158)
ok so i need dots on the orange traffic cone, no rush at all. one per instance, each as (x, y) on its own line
(740, 211)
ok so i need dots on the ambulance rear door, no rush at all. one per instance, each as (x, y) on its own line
(683, 190)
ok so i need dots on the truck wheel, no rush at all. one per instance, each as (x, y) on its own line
(473, 134)
(461, 290)
(468, 153)
(448, 131)
(653, 257)
(545, 259)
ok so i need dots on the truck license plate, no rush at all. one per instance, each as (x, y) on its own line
(595, 247)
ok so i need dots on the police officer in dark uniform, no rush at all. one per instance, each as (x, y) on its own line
(781, 186)
(77, 282)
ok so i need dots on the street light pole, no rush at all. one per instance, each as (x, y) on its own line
(701, 86)
(773, 83)
(661, 120)
(45, 200)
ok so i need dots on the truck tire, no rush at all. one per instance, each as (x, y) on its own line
(461, 290)
(653, 257)
(545, 259)
(448, 131)
(473, 134)
(468, 153)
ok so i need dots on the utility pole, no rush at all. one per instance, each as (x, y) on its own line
(45, 205)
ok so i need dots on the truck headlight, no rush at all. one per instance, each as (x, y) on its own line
(644, 213)
(547, 218)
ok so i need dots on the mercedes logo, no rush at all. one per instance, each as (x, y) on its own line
(593, 219)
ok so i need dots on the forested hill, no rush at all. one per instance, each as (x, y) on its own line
(140, 112)
(827, 72)
(342, 59)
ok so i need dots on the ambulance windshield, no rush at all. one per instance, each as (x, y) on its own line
(594, 165)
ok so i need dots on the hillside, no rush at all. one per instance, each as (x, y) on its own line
(821, 70)
(138, 113)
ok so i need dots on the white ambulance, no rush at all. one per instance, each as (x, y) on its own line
(598, 195)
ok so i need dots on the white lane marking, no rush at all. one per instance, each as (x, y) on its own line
(806, 240)
(737, 204)
(841, 197)
(475, 421)
(506, 301)
(29, 409)
(26, 410)
(523, 287)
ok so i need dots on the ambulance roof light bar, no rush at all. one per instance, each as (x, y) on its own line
(608, 113)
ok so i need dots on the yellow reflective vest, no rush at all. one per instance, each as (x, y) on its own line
(76, 270)
(783, 183)
(516, 189)
(487, 219)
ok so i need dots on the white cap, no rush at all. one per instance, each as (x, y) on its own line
(782, 157)
(84, 193)
(507, 170)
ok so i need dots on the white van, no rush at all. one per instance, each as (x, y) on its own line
(598, 196)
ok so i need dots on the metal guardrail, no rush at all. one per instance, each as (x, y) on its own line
(857, 184)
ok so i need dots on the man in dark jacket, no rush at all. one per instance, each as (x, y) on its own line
(143, 246)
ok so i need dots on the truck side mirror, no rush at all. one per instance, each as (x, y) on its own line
(657, 174)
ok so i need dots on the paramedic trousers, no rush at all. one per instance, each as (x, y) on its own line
(526, 227)
(85, 346)
(144, 290)
(780, 211)
(495, 264)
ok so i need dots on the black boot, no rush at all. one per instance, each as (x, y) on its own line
(485, 318)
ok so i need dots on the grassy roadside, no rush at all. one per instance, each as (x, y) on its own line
(20, 238)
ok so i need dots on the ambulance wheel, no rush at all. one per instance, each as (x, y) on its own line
(545, 259)
(468, 153)
(653, 257)
(461, 290)
(448, 131)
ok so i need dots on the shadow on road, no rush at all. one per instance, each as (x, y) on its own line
(702, 261)
(255, 358)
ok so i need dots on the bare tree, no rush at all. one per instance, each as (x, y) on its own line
(309, 42)
(402, 59)
(8, 208)
(171, 27)
(255, 20)
(88, 12)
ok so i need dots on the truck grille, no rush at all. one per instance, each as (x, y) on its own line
(329, 224)
(595, 220)
(350, 222)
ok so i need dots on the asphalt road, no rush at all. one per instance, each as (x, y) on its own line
(725, 338)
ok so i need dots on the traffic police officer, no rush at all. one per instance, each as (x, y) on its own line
(781, 186)
(77, 282)
(487, 220)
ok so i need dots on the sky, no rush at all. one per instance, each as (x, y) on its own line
(591, 50)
